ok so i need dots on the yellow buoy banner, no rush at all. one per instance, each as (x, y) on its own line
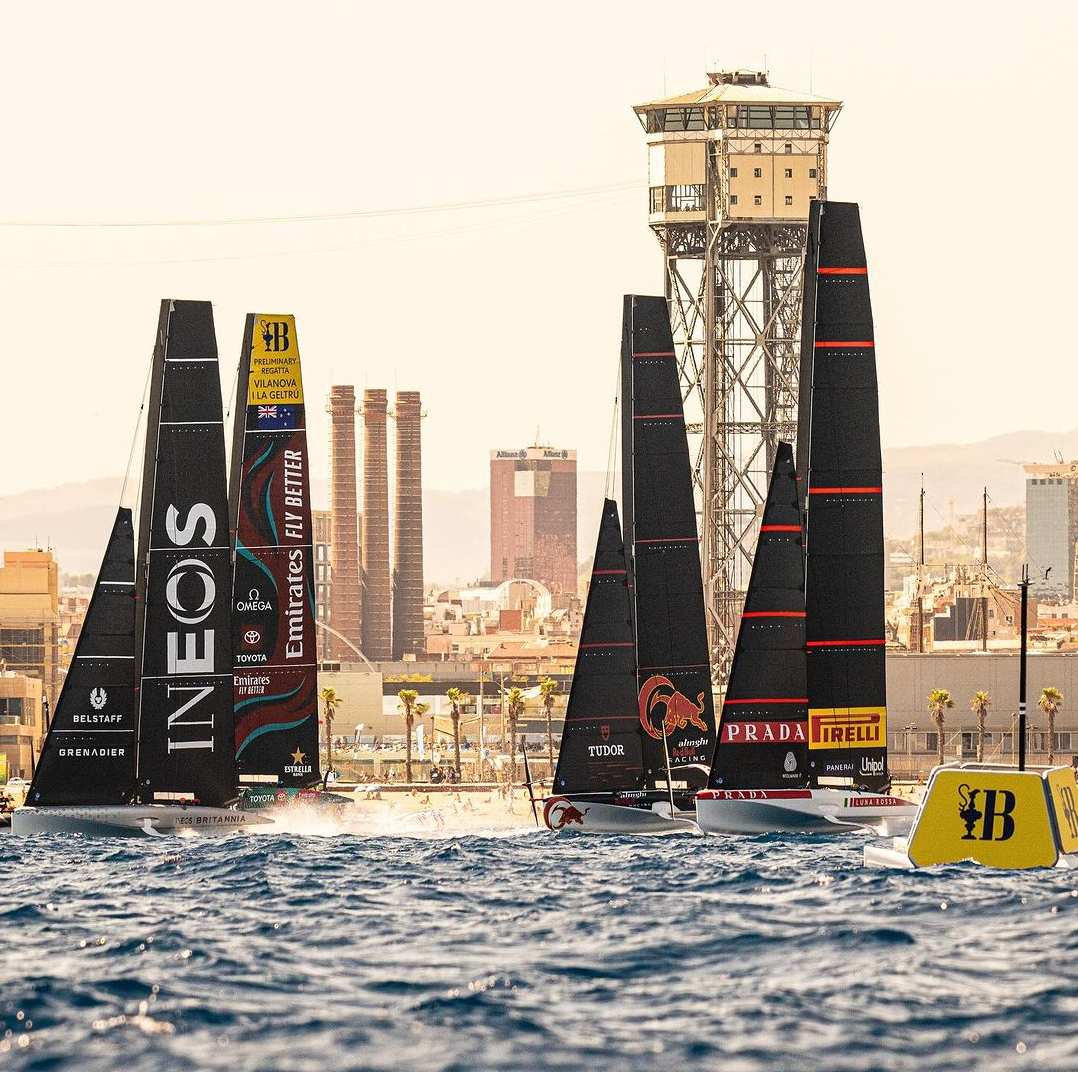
(1064, 797)
(995, 818)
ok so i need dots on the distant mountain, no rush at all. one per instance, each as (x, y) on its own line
(74, 518)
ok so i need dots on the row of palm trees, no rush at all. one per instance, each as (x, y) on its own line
(939, 700)
(411, 708)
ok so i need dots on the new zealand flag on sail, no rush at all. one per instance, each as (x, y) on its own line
(276, 416)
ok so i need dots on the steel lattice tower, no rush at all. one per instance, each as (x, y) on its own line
(732, 169)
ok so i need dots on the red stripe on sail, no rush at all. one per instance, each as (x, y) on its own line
(845, 491)
(842, 271)
(674, 539)
(659, 416)
(768, 699)
(609, 572)
(654, 353)
(773, 614)
(780, 528)
(845, 345)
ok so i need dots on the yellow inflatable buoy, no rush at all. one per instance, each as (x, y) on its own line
(995, 816)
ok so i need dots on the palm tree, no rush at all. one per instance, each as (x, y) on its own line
(980, 702)
(330, 702)
(514, 701)
(548, 686)
(458, 698)
(938, 700)
(408, 698)
(1050, 702)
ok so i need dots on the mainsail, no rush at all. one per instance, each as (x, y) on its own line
(601, 744)
(839, 461)
(183, 621)
(673, 671)
(89, 753)
(762, 729)
(276, 688)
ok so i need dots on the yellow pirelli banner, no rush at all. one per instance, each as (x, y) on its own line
(275, 377)
(847, 727)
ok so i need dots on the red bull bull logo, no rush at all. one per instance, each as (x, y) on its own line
(561, 811)
(679, 712)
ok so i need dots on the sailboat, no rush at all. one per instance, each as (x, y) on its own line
(274, 650)
(141, 739)
(837, 776)
(639, 724)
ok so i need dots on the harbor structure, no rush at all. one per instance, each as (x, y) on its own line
(1052, 528)
(732, 168)
(533, 516)
(377, 631)
(345, 594)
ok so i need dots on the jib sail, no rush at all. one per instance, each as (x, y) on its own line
(839, 461)
(763, 740)
(674, 698)
(601, 745)
(89, 753)
(183, 580)
(276, 688)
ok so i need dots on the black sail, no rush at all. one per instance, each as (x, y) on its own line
(184, 578)
(762, 727)
(673, 671)
(601, 745)
(276, 673)
(839, 460)
(89, 753)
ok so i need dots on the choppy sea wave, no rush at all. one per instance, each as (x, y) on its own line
(530, 952)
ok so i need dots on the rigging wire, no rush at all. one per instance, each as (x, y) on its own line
(597, 201)
(135, 435)
(318, 217)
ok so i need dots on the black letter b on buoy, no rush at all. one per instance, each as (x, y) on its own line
(992, 813)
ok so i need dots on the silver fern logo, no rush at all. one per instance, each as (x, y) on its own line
(98, 699)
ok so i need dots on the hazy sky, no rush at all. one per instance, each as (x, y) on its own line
(956, 138)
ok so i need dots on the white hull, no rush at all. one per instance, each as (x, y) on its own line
(589, 817)
(126, 820)
(801, 811)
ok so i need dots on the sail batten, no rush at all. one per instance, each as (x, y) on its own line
(839, 458)
(276, 695)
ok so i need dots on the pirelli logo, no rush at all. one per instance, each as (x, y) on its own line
(853, 727)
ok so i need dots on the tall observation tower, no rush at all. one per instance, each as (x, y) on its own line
(731, 169)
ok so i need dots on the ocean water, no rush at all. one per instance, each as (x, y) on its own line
(527, 951)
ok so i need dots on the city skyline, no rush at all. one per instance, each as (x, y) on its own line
(81, 298)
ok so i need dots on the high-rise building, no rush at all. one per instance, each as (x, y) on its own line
(345, 606)
(533, 516)
(322, 534)
(408, 529)
(377, 588)
(22, 724)
(1052, 528)
(29, 617)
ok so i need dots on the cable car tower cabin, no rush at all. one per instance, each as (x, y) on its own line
(731, 170)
